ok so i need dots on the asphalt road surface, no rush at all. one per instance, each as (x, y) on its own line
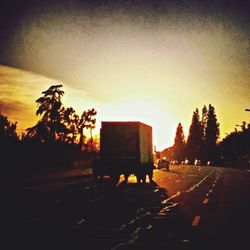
(188, 207)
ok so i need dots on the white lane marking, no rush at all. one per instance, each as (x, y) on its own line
(196, 221)
(217, 177)
(189, 190)
(173, 196)
(205, 201)
(118, 246)
(165, 209)
(198, 184)
(81, 221)
(213, 185)
(210, 191)
(132, 221)
(95, 200)
(130, 242)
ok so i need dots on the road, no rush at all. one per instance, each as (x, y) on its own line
(214, 201)
(188, 207)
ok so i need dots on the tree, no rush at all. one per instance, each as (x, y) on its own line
(58, 123)
(70, 120)
(204, 121)
(194, 141)
(179, 143)
(86, 121)
(234, 148)
(39, 132)
(212, 133)
(7, 128)
(9, 148)
(51, 110)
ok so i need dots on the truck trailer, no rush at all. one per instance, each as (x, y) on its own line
(125, 149)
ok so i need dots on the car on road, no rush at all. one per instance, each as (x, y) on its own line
(197, 162)
(162, 163)
(174, 162)
(210, 163)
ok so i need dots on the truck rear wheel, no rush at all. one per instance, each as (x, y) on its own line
(126, 178)
(143, 178)
(138, 178)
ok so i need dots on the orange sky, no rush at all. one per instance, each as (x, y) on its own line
(129, 65)
(22, 88)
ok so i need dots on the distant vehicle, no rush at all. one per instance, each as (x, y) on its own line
(197, 162)
(163, 163)
(210, 163)
(174, 162)
(125, 149)
(186, 162)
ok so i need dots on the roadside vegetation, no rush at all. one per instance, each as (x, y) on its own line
(203, 146)
(56, 140)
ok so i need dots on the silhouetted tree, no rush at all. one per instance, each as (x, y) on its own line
(9, 148)
(204, 118)
(194, 141)
(70, 120)
(58, 132)
(212, 133)
(235, 148)
(39, 132)
(51, 110)
(179, 143)
(204, 121)
(86, 121)
(7, 128)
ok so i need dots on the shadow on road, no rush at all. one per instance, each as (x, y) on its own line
(130, 216)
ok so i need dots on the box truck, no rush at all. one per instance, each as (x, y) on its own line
(125, 149)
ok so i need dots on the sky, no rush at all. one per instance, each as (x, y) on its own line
(149, 61)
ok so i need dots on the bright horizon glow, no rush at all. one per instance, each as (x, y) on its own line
(18, 103)
(147, 113)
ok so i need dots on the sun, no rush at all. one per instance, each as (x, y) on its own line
(162, 123)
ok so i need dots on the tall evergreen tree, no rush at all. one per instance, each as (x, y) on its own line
(179, 143)
(212, 133)
(203, 127)
(204, 122)
(194, 141)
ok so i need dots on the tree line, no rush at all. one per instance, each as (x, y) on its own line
(235, 147)
(202, 138)
(57, 138)
(202, 142)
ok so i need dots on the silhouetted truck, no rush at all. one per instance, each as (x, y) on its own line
(125, 148)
